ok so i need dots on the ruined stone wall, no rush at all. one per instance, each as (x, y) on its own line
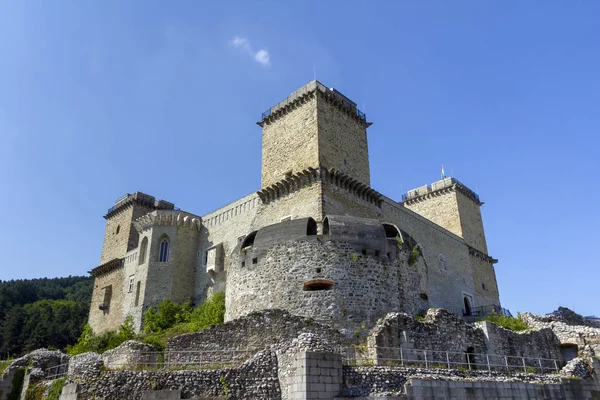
(438, 331)
(570, 329)
(537, 343)
(290, 143)
(105, 320)
(342, 141)
(255, 379)
(442, 331)
(258, 330)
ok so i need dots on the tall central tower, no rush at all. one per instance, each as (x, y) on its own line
(314, 127)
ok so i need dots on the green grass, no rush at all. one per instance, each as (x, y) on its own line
(160, 325)
(511, 323)
(56, 389)
(3, 365)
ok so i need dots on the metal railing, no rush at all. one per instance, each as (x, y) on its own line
(58, 371)
(486, 310)
(418, 358)
(170, 360)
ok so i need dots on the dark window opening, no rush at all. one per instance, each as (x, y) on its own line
(318, 284)
(483, 286)
(326, 226)
(389, 255)
(424, 296)
(243, 264)
(311, 227)
(137, 293)
(319, 270)
(249, 240)
(569, 351)
(470, 357)
(255, 261)
(467, 310)
(377, 253)
(118, 229)
(163, 255)
(364, 252)
(391, 232)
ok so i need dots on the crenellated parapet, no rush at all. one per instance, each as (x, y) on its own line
(168, 218)
(481, 255)
(439, 188)
(308, 92)
(107, 267)
(308, 176)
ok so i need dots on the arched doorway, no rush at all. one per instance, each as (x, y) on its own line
(468, 309)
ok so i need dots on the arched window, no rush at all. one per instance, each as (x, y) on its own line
(442, 262)
(249, 240)
(143, 250)
(326, 226)
(163, 255)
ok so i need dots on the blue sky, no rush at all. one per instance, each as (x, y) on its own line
(98, 99)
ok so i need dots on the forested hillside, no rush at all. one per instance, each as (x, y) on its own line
(42, 313)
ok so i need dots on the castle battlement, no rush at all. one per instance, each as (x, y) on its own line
(139, 198)
(438, 188)
(307, 91)
(167, 217)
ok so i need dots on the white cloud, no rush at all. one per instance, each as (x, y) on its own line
(261, 56)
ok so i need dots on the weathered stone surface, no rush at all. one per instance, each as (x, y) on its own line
(255, 379)
(259, 330)
(132, 353)
(577, 367)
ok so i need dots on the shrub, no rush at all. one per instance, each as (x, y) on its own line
(210, 312)
(169, 314)
(89, 341)
(512, 323)
(399, 240)
(35, 392)
(414, 254)
(3, 365)
(56, 389)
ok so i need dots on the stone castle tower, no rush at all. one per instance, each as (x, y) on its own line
(315, 239)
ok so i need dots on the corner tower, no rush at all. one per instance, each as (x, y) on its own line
(453, 206)
(314, 127)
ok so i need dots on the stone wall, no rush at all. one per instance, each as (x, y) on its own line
(342, 141)
(115, 244)
(258, 330)
(365, 286)
(446, 204)
(447, 287)
(255, 379)
(111, 317)
(570, 329)
(442, 331)
(290, 142)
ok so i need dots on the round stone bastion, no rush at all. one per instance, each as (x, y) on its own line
(348, 277)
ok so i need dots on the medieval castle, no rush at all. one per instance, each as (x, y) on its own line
(315, 239)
